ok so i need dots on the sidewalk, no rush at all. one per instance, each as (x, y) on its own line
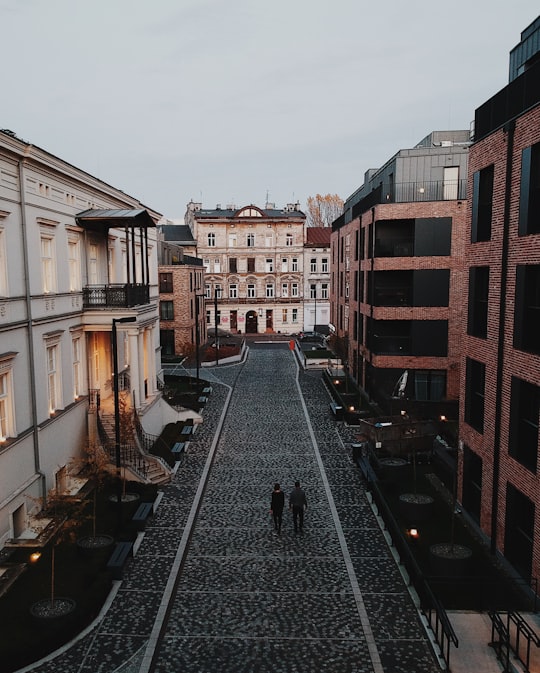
(474, 653)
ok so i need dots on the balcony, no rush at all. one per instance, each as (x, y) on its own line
(116, 295)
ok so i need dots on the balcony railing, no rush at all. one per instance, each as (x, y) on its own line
(120, 295)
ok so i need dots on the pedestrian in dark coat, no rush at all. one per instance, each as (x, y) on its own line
(298, 504)
(276, 506)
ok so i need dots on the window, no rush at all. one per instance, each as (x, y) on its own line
(295, 315)
(429, 386)
(166, 340)
(165, 283)
(268, 241)
(208, 317)
(7, 417)
(251, 291)
(3, 265)
(284, 265)
(529, 198)
(527, 308)
(232, 240)
(294, 266)
(289, 240)
(77, 366)
(313, 291)
(47, 264)
(313, 265)
(324, 265)
(166, 310)
(233, 267)
(251, 264)
(269, 290)
(346, 289)
(217, 291)
(524, 410)
(233, 291)
(285, 290)
(269, 265)
(211, 240)
(53, 378)
(294, 290)
(251, 240)
(93, 276)
(478, 301)
(207, 291)
(217, 265)
(519, 531)
(475, 382)
(206, 263)
(482, 204)
(284, 315)
(324, 291)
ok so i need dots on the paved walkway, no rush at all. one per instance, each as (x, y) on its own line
(213, 588)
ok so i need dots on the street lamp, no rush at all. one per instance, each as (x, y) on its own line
(197, 333)
(117, 404)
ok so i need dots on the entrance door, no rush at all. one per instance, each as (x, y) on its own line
(450, 183)
(234, 321)
(269, 320)
(251, 322)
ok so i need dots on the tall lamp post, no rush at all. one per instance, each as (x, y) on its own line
(197, 333)
(216, 322)
(117, 404)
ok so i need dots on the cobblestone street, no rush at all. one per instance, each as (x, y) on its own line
(214, 588)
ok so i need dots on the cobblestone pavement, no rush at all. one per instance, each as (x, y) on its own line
(243, 599)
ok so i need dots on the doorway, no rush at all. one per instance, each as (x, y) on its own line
(251, 322)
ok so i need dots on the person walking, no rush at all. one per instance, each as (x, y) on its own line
(298, 504)
(276, 506)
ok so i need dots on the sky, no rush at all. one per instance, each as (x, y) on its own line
(244, 101)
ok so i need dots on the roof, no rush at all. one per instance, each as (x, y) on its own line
(115, 218)
(178, 233)
(318, 236)
(230, 213)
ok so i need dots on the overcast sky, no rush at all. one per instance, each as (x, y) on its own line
(237, 101)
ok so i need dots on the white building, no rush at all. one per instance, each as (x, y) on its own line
(75, 254)
(253, 259)
(317, 279)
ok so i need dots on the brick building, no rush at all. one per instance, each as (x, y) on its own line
(397, 279)
(181, 295)
(500, 373)
(253, 259)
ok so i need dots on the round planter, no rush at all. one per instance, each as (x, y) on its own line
(416, 507)
(53, 612)
(450, 560)
(127, 498)
(93, 544)
(391, 470)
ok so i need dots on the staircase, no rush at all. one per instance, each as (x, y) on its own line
(144, 466)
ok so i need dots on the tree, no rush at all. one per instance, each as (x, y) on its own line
(323, 210)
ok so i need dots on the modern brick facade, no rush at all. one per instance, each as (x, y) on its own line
(500, 369)
(397, 281)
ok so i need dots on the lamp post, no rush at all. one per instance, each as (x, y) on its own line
(216, 323)
(117, 404)
(197, 334)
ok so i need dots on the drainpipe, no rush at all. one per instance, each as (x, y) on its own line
(31, 358)
(509, 129)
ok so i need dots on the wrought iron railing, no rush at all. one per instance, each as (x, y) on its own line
(130, 455)
(150, 442)
(115, 295)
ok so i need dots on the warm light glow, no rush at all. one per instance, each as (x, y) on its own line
(2, 439)
(35, 556)
(403, 412)
(413, 532)
(336, 382)
(443, 418)
(351, 408)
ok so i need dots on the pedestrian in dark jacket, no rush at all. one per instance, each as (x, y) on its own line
(297, 504)
(276, 506)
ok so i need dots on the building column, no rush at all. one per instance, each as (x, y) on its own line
(134, 367)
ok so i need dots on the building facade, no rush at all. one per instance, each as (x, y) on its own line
(397, 276)
(253, 259)
(500, 369)
(182, 311)
(317, 279)
(77, 256)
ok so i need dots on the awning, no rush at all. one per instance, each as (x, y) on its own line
(94, 218)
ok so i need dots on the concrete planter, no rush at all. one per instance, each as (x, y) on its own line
(450, 560)
(416, 507)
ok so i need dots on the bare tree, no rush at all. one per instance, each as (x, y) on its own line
(323, 210)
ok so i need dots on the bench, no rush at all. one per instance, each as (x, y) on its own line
(207, 391)
(178, 447)
(144, 510)
(337, 410)
(118, 558)
(186, 430)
